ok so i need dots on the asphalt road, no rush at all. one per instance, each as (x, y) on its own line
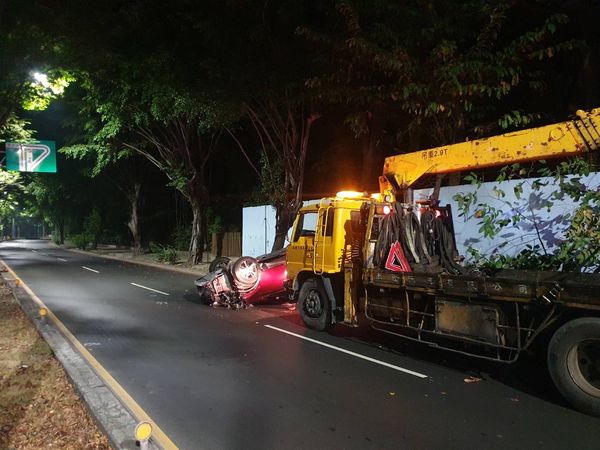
(212, 378)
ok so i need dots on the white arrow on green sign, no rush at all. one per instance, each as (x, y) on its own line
(33, 157)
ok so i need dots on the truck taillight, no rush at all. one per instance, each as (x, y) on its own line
(383, 209)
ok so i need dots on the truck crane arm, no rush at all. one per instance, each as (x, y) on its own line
(569, 138)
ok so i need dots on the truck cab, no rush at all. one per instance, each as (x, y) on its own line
(321, 261)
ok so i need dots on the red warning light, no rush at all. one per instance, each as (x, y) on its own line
(386, 209)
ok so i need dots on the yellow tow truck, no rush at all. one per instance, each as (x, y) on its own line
(395, 262)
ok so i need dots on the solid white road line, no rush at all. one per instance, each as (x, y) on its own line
(61, 259)
(150, 289)
(348, 352)
(91, 270)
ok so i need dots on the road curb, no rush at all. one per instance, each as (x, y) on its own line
(113, 418)
(141, 263)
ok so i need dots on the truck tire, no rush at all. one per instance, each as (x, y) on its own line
(314, 305)
(574, 363)
(220, 262)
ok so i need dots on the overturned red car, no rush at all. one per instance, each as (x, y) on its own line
(245, 281)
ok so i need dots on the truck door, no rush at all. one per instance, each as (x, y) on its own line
(300, 253)
(325, 255)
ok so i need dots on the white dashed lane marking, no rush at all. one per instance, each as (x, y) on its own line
(149, 289)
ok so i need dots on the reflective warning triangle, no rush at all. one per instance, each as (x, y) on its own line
(396, 261)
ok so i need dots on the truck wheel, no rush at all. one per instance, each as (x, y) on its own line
(220, 262)
(314, 305)
(574, 363)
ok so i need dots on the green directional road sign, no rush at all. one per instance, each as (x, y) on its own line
(33, 157)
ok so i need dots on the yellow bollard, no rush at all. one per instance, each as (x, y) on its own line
(143, 431)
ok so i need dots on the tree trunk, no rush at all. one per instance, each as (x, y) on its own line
(197, 240)
(435, 195)
(198, 200)
(284, 131)
(283, 217)
(181, 154)
(60, 228)
(134, 222)
(294, 183)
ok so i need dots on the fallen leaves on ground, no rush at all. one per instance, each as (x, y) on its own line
(472, 379)
(38, 406)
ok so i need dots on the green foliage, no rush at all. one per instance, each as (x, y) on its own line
(530, 258)
(167, 255)
(164, 253)
(16, 129)
(81, 240)
(103, 155)
(438, 68)
(445, 69)
(516, 119)
(43, 88)
(214, 221)
(154, 248)
(10, 185)
(24, 50)
(92, 227)
(272, 180)
(581, 247)
(51, 198)
(180, 237)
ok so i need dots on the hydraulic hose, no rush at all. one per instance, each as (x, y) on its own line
(427, 242)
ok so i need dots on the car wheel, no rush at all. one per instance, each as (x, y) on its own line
(245, 272)
(314, 305)
(574, 363)
(220, 262)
